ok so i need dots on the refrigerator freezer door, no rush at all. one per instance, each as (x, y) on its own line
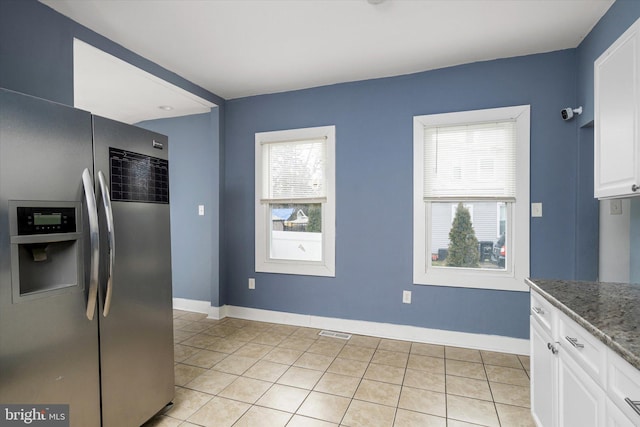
(136, 336)
(48, 347)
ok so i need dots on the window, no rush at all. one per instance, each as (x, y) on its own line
(295, 201)
(471, 199)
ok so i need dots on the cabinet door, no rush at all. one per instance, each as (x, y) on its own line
(581, 401)
(623, 383)
(543, 377)
(615, 417)
(617, 90)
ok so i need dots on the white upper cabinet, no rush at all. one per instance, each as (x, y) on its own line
(617, 117)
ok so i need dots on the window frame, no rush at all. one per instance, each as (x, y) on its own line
(517, 240)
(263, 262)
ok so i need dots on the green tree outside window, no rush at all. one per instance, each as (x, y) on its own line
(463, 244)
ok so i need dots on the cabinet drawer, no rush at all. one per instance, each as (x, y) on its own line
(542, 311)
(624, 383)
(589, 352)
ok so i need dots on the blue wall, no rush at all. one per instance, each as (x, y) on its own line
(374, 147)
(374, 182)
(587, 210)
(194, 158)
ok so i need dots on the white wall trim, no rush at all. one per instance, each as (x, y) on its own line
(263, 261)
(377, 329)
(198, 307)
(511, 279)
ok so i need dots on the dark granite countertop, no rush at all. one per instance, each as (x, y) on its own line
(609, 311)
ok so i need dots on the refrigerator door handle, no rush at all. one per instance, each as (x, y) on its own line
(94, 235)
(106, 200)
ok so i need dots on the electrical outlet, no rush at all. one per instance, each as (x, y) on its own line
(536, 210)
(252, 283)
(406, 297)
(615, 207)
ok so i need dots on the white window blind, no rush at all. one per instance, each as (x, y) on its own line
(470, 162)
(294, 171)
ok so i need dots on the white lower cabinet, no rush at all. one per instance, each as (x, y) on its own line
(543, 376)
(616, 418)
(581, 401)
(576, 380)
(624, 387)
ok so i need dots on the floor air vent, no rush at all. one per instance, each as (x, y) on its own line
(333, 334)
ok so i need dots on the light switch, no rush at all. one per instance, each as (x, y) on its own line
(201, 210)
(536, 210)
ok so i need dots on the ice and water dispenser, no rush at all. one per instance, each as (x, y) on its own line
(46, 247)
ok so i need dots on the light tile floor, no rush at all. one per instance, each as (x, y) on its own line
(234, 372)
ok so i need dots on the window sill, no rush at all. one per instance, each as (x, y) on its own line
(297, 268)
(471, 278)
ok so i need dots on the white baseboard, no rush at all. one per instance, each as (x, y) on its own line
(362, 327)
(197, 306)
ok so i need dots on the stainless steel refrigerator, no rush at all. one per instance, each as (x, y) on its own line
(85, 264)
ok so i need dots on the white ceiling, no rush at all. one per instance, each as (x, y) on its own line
(237, 48)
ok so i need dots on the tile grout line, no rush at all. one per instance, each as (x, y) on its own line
(493, 399)
(249, 338)
(446, 395)
(359, 383)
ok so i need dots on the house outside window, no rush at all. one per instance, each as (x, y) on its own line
(295, 201)
(473, 165)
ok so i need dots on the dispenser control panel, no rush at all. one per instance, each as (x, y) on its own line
(46, 220)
